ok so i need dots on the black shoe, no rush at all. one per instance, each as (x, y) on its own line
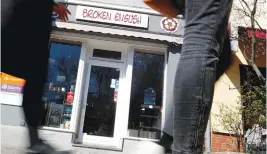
(43, 148)
(166, 141)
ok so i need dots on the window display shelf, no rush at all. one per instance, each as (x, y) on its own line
(58, 115)
(149, 126)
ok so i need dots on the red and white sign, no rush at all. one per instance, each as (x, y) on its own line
(259, 34)
(169, 25)
(112, 16)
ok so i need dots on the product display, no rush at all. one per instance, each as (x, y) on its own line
(149, 122)
(58, 105)
(55, 114)
(66, 123)
(70, 97)
(67, 111)
(59, 89)
(150, 96)
(72, 88)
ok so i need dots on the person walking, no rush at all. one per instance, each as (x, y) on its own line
(25, 30)
(205, 56)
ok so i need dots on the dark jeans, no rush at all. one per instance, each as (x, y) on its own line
(200, 65)
(24, 48)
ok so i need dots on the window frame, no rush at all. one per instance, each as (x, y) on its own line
(131, 59)
(77, 85)
(131, 47)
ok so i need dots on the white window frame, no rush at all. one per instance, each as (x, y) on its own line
(99, 141)
(78, 84)
(114, 143)
(128, 46)
(136, 48)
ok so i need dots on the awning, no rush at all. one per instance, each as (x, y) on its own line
(112, 31)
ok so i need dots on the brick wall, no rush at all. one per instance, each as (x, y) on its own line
(224, 143)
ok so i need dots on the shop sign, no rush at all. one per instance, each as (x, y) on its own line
(112, 16)
(259, 34)
(169, 25)
(11, 84)
(11, 90)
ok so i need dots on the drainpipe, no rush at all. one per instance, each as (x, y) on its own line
(208, 138)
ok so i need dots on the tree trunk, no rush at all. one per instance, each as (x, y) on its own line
(252, 61)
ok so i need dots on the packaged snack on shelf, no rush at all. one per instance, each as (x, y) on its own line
(67, 124)
(67, 111)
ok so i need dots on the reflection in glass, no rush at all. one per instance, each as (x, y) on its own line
(60, 87)
(101, 101)
(146, 96)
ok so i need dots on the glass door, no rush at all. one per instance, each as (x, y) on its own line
(101, 101)
(98, 120)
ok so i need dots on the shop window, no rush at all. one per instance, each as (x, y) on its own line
(107, 54)
(146, 96)
(60, 87)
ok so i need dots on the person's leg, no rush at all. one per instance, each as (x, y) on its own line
(32, 105)
(225, 61)
(34, 109)
(25, 54)
(205, 29)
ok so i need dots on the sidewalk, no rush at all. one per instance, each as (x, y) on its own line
(14, 139)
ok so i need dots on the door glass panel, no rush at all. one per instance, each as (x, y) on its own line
(101, 102)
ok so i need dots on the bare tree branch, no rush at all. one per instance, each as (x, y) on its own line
(244, 12)
(244, 1)
(253, 12)
(258, 24)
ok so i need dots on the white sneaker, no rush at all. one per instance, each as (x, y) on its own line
(146, 147)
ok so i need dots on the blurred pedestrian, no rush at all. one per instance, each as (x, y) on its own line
(26, 26)
(205, 56)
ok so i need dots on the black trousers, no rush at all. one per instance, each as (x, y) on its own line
(26, 27)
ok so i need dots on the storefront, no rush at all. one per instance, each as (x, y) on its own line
(107, 77)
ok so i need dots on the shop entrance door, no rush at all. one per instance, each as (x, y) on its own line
(99, 120)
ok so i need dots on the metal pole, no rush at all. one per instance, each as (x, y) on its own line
(208, 138)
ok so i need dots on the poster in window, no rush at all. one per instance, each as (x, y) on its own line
(116, 85)
(150, 96)
(113, 83)
(55, 115)
(116, 90)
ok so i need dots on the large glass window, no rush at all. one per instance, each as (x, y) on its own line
(146, 96)
(60, 87)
